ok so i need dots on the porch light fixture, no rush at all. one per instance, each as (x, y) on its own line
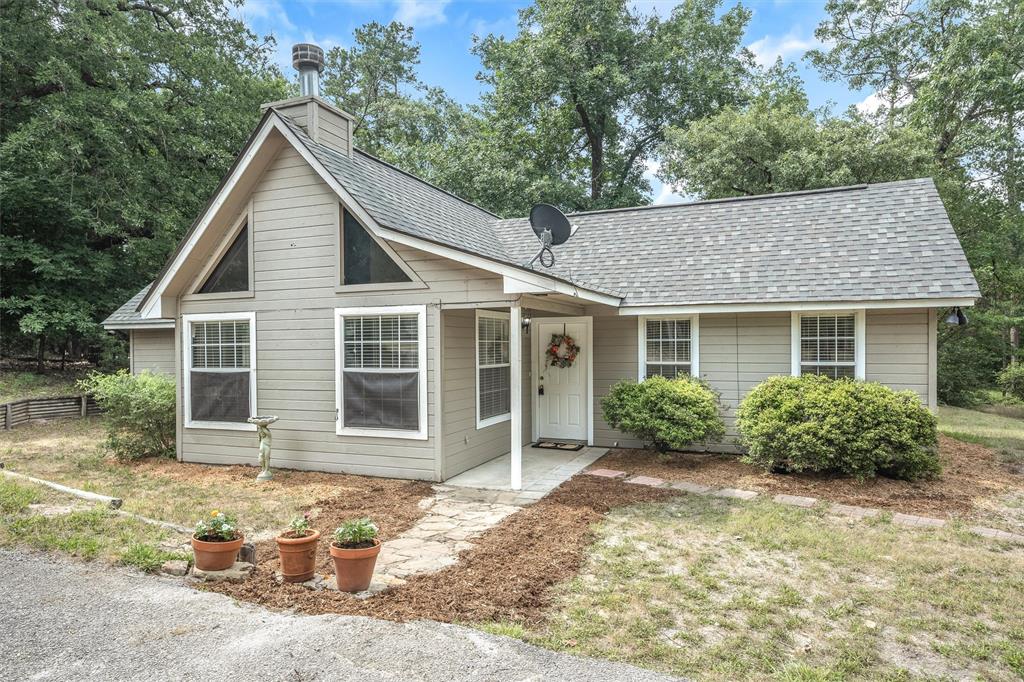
(526, 323)
(956, 317)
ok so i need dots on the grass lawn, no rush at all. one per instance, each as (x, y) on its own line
(998, 427)
(17, 385)
(722, 590)
(70, 452)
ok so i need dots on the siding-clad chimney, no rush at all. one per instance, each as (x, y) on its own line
(324, 123)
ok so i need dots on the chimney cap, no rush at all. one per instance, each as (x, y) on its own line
(307, 55)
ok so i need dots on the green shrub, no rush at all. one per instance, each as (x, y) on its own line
(813, 423)
(667, 414)
(1011, 380)
(139, 412)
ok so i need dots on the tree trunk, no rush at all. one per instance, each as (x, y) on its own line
(41, 355)
(596, 167)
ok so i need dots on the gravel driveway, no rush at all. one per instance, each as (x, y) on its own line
(67, 620)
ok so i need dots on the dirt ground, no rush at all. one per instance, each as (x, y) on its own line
(970, 474)
(507, 575)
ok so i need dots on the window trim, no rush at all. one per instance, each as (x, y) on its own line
(339, 357)
(192, 292)
(186, 345)
(859, 339)
(641, 330)
(498, 418)
(339, 260)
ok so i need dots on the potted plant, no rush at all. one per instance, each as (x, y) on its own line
(297, 549)
(216, 542)
(354, 550)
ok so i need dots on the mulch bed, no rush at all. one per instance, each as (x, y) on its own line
(507, 575)
(970, 473)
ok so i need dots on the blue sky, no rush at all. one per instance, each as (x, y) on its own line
(445, 28)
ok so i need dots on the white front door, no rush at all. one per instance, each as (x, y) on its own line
(562, 402)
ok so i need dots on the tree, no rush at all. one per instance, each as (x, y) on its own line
(582, 96)
(952, 69)
(778, 144)
(117, 119)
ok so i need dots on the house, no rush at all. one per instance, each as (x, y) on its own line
(396, 330)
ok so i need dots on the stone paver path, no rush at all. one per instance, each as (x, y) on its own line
(848, 510)
(436, 539)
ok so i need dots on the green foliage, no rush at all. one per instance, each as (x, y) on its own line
(355, 533)
(1011, 380)
(119, 119)
(668, 414)
(581, 97)
(298, 527)
(217, 527)
(147, 557)
(969, 357)
(816, 424)
(138, 412)
(15, 498)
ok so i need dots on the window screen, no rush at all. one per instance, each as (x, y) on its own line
(381, 372)
(232, 272)
(221, 371)
(364, 262)
(668, 348)
(493, 366)
(827, 345)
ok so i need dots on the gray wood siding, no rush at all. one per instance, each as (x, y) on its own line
(295, 223)
(897, 349)
(615, 359)
(463, 445)
(153, 350)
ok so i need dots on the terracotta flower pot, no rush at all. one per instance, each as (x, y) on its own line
(354, 567)
(216, 556)
(298, 556)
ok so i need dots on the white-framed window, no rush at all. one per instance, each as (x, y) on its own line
(220, 370)
(381, 371)
(493, 368)
(828, 343)
(668, 346)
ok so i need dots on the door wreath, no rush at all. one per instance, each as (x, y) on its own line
(562, 350)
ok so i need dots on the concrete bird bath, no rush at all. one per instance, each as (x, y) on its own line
(263, 423)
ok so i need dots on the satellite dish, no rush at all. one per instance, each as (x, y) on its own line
(552, 228)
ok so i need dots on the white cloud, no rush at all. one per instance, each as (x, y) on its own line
(271, 16)
(870, 104)
(421, 13)
(663, 193)
(768, 49)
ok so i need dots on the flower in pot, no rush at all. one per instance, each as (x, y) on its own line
(297, 549)
(354, 550)
(216, 542)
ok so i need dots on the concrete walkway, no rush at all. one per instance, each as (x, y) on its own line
(67, 620)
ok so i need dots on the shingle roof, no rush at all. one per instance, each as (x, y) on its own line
(862, 243)
(887, 241)
(127, 315)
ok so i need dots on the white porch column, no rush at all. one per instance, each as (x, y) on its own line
(515, 353)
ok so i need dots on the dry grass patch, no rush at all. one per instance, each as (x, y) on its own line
(71, 452)
(721, 590)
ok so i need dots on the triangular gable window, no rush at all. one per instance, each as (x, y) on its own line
(232, 272)
(363, 260)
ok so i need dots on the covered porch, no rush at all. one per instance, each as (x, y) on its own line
(500, 394)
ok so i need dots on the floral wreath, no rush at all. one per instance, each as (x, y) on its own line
(562, 350)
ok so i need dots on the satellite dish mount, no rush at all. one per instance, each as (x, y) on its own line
(552, 228)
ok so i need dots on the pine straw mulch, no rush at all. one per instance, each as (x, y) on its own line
(507, 575)
(970, 473)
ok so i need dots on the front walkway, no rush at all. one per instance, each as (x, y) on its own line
(543, 471)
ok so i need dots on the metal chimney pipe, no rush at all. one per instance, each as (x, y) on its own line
(309, 60)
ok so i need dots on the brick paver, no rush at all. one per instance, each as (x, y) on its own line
(796, 500)
(690, 487)
(646, 480)
(853, 511)
(913, 521)
(735, 493)
(996, 534)
(605, 473)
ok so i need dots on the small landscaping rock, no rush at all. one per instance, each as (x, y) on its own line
(176, 567)
(248, 553)
(236, 574)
